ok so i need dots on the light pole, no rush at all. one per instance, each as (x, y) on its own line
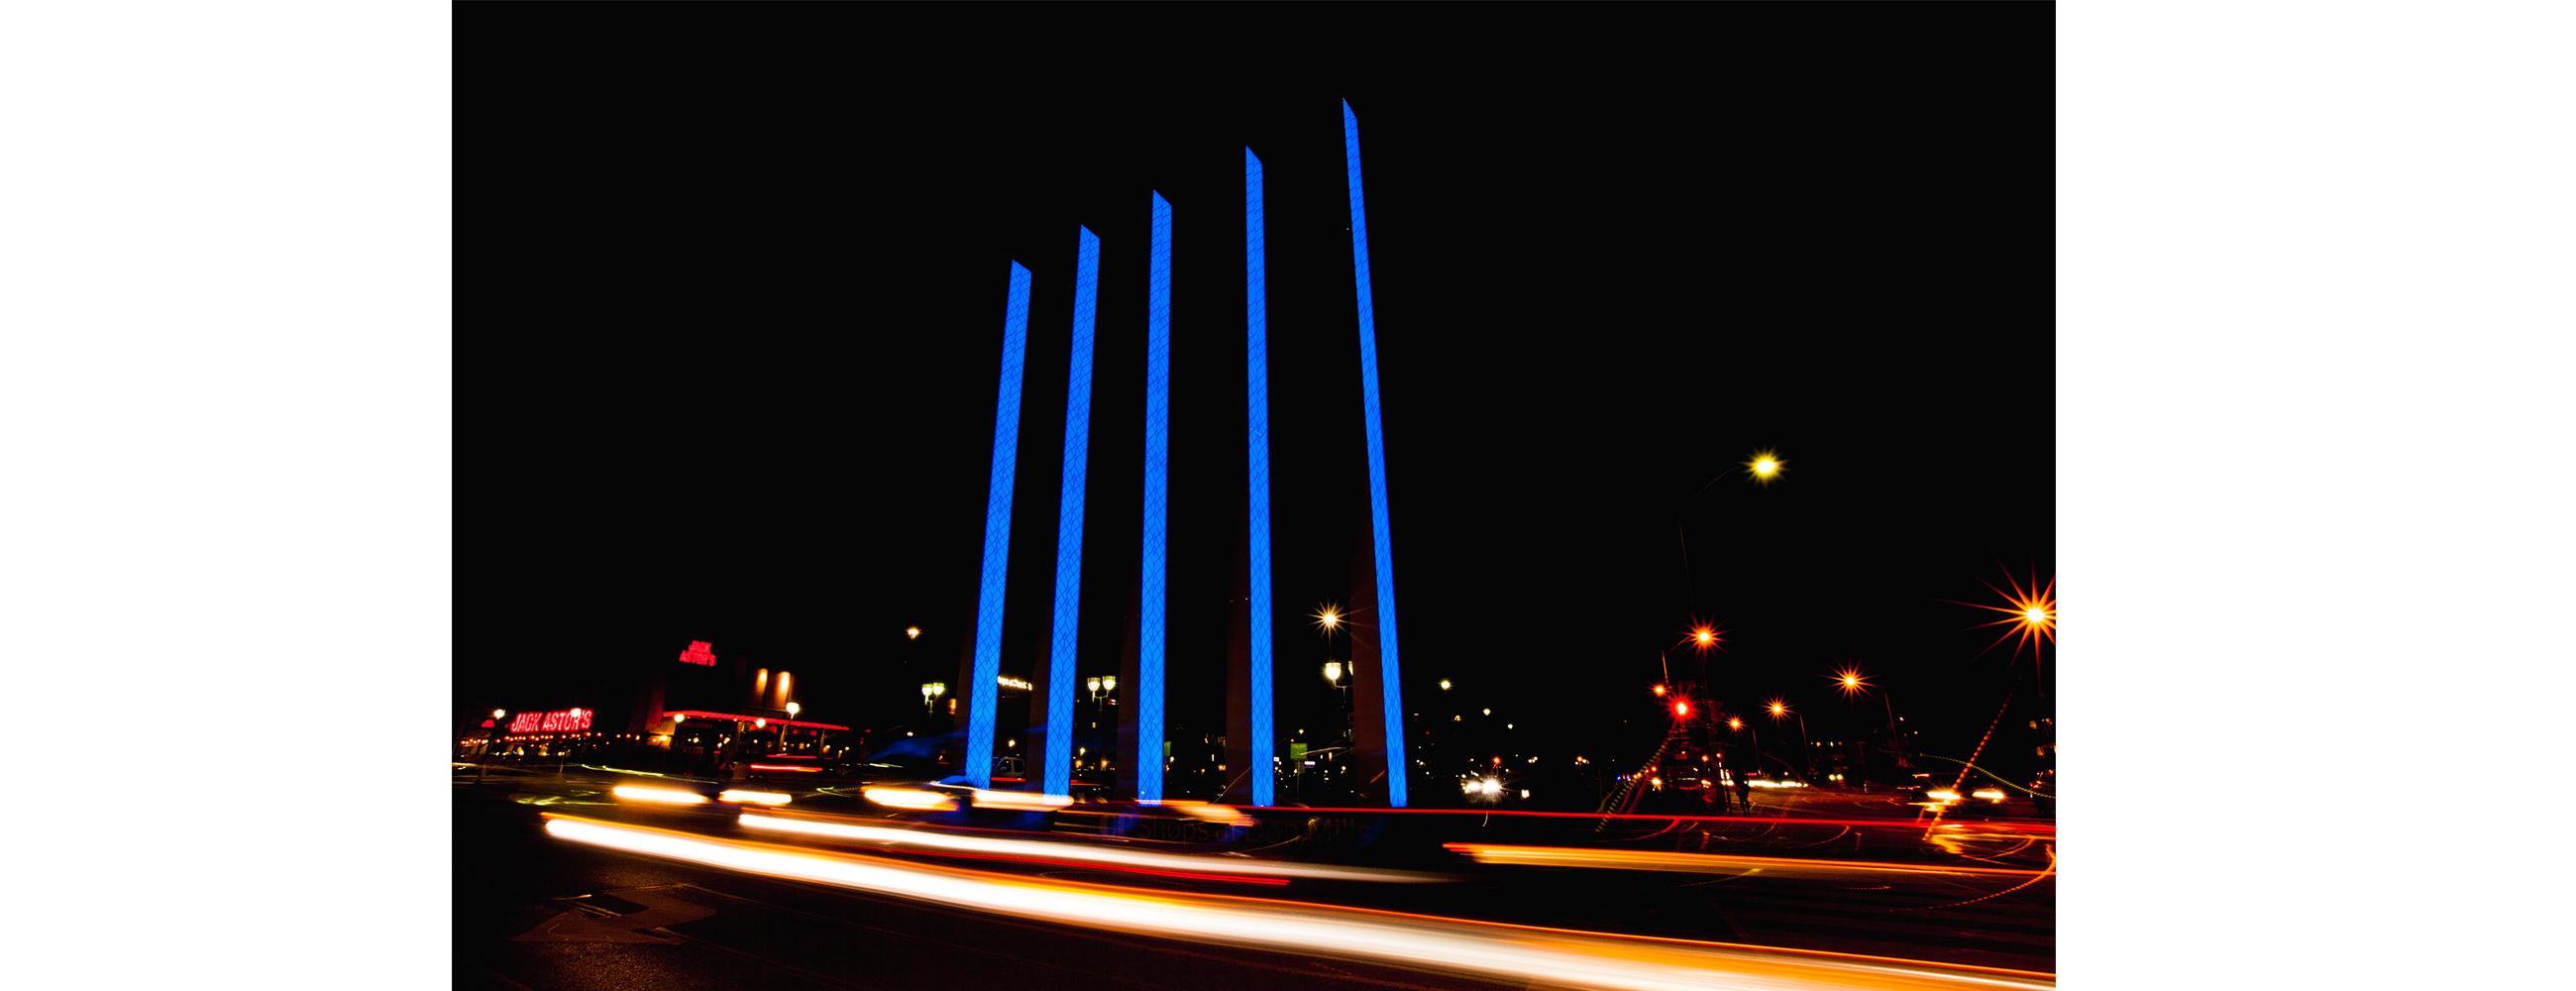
(1764, 467)
(488, 743)
(1780, 709)
(792, 710)
(929, 692)
(1853, 683)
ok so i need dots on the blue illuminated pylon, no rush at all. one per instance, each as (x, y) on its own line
(1257, 373)
(1388, 677)
(1149, 625)
(1061, 669)
(980, 691)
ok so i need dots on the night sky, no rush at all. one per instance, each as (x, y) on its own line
(743, 389)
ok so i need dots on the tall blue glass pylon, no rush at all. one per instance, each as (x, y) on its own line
(1061, 669)
(1389, 678)
(980, 691)
(1158, 408)
(1257, 414)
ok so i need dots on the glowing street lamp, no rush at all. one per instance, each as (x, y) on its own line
(487, 744)
(1854, 683)
(912, 633)
(2030, 612)
(1765, 467)
(792, 710)
(1780, 710)
(1333, 672)
(932, 691)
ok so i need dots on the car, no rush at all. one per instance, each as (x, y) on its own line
(1980, 800)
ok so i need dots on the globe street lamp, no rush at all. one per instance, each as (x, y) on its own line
(929, 692)
(792, 710)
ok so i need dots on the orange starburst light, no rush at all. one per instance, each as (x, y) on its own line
(1851, 680)
(1734, 723)
(1779, 708)
(1705, 636)
(2029, 611)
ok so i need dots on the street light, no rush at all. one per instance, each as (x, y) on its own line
(1780, 709)
(487, 744)
(1764, 467)
(929, 693)
(792, 710)
(1853, 683)
(912, 633)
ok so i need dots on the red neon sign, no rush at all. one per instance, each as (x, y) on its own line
(699, 652)
(567, 721)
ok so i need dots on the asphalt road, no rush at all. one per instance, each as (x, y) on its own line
(537, 911)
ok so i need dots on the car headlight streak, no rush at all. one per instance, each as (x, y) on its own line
(1073, 851)
(1521, 953)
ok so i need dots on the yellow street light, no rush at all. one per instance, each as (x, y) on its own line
(1734, 723)
(1333, 672)
(1766, 466)
(912, 633)
(1444, 684)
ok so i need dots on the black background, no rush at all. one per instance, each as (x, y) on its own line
(740, 347)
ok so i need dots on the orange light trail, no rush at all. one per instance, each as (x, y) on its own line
(1518, 953)
(1703, 863)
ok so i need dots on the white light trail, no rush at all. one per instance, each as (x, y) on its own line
(1518, 953)
(1075, 851)
(671, 796)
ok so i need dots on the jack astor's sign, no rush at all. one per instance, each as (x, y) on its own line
(567, 721)
(699, 652)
